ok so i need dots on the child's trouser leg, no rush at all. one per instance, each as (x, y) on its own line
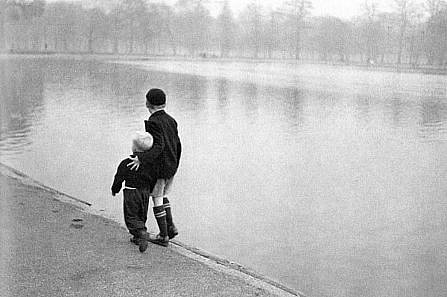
(144, 206)
(135, 206)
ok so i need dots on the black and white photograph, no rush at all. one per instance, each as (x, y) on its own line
(223, 148)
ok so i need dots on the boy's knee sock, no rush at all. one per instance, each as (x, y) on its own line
(160, 216)
(167, 207)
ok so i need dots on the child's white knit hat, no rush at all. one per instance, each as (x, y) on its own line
(142, 141)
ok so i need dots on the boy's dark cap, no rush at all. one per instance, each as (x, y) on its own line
(156, 97)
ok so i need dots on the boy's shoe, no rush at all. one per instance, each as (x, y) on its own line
(160, 240)
(172, 231)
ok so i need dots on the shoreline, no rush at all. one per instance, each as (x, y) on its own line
(405, 68)
(196, 254)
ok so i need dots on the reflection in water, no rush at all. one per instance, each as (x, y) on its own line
(332, 192)
(363, 108)
(21, 94)
(194, 93)
(222, 87)
(291, 101)
(222, 92)
(397, 109)
(250, 100)
(433, 112)
(433, 119)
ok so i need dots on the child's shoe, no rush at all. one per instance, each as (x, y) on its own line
(134, 240)
(142, 241)
(142, 245)
(160, 240)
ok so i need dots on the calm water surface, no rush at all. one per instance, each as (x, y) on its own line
(331, 181)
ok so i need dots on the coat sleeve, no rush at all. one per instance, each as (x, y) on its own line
(179, 152)
(158, 145)
(118, 179)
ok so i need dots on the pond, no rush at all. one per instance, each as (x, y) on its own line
(329, 180)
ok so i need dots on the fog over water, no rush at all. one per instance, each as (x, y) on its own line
(329, 180)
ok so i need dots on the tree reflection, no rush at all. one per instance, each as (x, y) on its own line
(222, 92)
(433, 119)
(290, 100)
(433, 112)
(21, 93)
(191, 91)
(250, 99)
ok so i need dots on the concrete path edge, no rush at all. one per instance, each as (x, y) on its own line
(215, 262)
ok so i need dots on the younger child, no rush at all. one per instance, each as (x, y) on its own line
(136, 192)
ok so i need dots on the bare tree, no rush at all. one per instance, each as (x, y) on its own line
(296, 11)
(95, 27)
(169, 22)
(144, 27)
(133, 13)
(195, 19)
(225, 23)
(371, 30)
(436, 39)
(251, 25)
(386, 41)
(272, 34)
(3, 6)
(330, 38)
(405, 11)
(433, 7)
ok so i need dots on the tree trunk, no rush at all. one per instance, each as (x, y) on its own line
(297, 44)
(146, 48)
(65, 43)
(130, 51)
(256, 53)
(401, 42)
(2, 31)
(115, 45)
(90, 40)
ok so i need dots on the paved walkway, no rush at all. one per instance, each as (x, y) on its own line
(54, 248)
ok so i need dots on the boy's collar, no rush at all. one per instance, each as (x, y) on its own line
(158, 111)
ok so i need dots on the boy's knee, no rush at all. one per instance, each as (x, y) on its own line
(158, 200)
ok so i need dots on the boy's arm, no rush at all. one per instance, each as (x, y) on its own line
(179, 152)
(118, 179)
(149, 156)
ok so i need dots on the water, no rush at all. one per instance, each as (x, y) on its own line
(329, 180)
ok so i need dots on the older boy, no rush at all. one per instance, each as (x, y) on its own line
(164, 157)
(136, 192)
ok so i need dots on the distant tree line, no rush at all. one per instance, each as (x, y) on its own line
(412, 34)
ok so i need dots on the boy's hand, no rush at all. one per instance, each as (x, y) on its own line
(135, 163)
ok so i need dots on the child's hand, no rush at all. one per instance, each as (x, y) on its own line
(135, 163)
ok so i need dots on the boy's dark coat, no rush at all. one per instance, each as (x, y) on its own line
(164, 156)
(135, 202)
(135, 179)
